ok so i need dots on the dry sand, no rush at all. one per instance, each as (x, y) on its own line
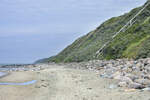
(60, 83)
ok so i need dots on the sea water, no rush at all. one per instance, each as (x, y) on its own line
(13, 83)
(19, 84)
(3, 74)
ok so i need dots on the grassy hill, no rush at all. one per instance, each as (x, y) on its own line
(133, 43)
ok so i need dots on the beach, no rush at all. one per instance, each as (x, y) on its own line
(59, 82)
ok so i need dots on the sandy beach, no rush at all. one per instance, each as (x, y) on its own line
(62, 83)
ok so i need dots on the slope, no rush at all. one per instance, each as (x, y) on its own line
(133, 43)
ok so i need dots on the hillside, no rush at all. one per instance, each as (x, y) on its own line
(132, 43)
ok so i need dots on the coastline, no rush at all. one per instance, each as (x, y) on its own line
(73, 81)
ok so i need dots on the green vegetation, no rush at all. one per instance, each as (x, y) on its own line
(130, 43)
(133, 49)
(133, 43)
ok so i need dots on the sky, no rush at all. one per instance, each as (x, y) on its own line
(35, 29)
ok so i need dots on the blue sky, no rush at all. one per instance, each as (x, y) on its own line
(34, 29)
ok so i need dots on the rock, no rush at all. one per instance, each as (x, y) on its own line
(126, 79)
(89, 88)
(138, 65)
(148, 60)
(122, 84)
(99, 68)
(129, 90)
(106, 76)
(42, 80)
(148, 69)
(132, 76)
(143, 81)
(37, 86)
(43, 85)
(146, 89)
(117, 75)
(136, 86)
(147, 77)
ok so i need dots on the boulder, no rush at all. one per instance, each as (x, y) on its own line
(132, 76)
(143, 81)
(122, 84)
(126, 79)
(136, 86)
(117, 75)
(146, 89)
(106, 76)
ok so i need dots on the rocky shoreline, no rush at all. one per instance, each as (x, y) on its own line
(132, 74)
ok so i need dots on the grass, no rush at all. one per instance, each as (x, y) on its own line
(133, 50)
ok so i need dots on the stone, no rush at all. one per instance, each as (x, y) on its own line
(89, 88)
(43, 85)
(37, 86)
(122, 84)
(147, 77)
(143, 81)
(129, 90)
(148, 60)
(138, 65)
(106, 76)
(42, 80)
(126, 79)
(117, 75)
(136, 86)
(148, 68)
(132, 76)
(99, 68)
(146, 89)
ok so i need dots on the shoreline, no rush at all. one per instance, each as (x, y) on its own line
(4, 74)
(133, 74)
(66, 82)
